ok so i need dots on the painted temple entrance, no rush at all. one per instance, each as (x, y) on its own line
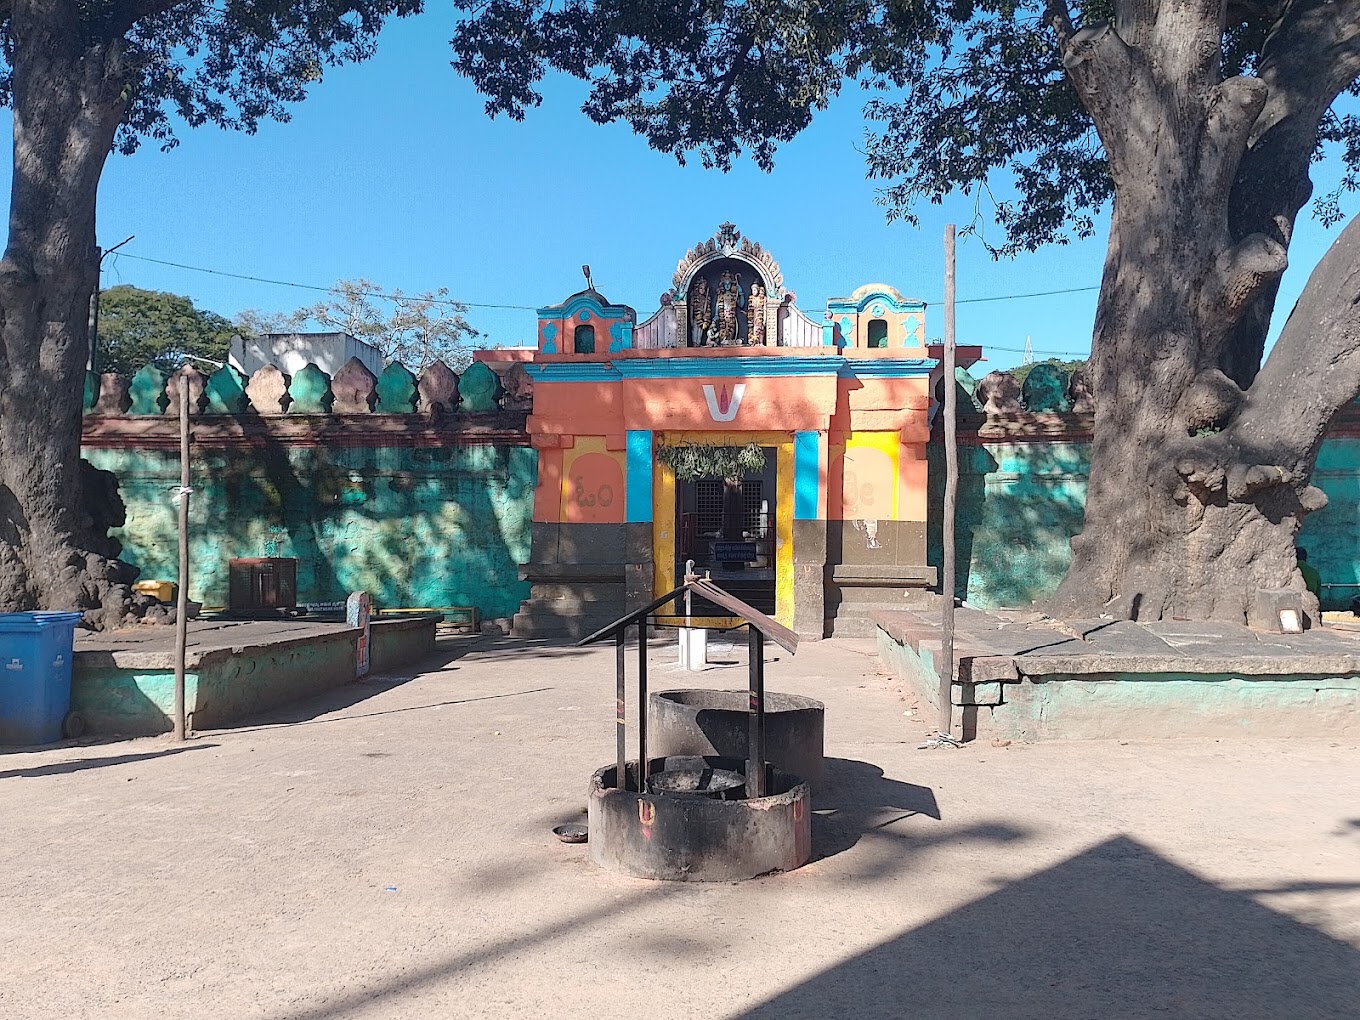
(830, 524)
(727, 528)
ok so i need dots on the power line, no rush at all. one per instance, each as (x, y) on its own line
(1016, 297)
(531, 308)
(316, 287)
(1035, 350)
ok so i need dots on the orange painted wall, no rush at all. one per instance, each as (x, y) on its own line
(779, 404)
(579, 429)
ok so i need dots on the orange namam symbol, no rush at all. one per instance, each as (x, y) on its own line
(646, 812)
(798, 810)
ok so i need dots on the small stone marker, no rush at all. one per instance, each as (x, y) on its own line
(358, 614)
(1277, 610)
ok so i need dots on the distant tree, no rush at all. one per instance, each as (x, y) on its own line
(414, 329)
(152, 327)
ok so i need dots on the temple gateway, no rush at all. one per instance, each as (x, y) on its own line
(785, 455)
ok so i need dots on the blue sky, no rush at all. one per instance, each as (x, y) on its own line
(392, 171)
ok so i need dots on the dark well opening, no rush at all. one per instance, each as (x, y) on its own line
(777, 781)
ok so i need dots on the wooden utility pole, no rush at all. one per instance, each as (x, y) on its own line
(951, 489)
(182, 599)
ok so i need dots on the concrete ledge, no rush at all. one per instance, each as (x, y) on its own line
(876, 575)
(569, 572)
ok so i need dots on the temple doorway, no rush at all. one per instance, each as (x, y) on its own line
(729, 530)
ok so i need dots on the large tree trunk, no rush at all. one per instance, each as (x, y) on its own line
(67, 106)
(1187, 514)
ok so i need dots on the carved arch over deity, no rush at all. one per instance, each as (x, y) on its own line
(727, 291)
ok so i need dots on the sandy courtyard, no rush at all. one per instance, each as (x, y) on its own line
(384, 852)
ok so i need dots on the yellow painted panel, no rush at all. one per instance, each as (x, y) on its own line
(888, 449)
(593, 490)
(783, 547)
(663, 528)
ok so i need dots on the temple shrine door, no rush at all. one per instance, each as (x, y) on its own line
(728, 530)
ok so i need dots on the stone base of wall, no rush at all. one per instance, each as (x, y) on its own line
(581, 579)
(854, 593)
(1204, 698)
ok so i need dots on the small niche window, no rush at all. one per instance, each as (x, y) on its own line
(585, 340)
(878, 332)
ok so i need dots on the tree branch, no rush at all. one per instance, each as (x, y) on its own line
(1311, 55)
(1313, 369)
(1101, 69)
(1058, 16)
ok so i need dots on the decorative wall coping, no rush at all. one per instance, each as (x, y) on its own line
(975, 429)
(257, 431)
(153, 392)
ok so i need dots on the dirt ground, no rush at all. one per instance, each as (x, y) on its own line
(385, 852)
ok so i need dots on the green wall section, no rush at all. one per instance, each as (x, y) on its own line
(1020, 503)
(417, 527)
(1332, 535)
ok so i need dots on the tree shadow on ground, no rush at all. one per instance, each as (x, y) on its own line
(81, 764)
(496, 648)
(1116, 931)
(631, 897)
(322, 708)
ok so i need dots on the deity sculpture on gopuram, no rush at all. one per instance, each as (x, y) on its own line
(755, 315)
(730, 302)
(700, 309)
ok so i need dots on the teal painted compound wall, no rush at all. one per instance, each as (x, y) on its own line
(417, 527)
(1020, 503)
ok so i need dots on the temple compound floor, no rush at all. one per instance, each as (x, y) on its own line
(384, 852)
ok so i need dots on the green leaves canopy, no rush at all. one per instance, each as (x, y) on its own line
(231, 63)
(965, 95)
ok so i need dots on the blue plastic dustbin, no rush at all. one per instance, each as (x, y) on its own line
(35, 675)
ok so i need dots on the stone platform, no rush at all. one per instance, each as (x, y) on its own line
(1024, 676)
(123, 681)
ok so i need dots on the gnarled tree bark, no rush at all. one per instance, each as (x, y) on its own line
(68, 101)
(1200, 466)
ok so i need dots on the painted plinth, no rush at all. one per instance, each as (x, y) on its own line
(689, 838)
(1021, 679)
(718, 723)
(123, 681)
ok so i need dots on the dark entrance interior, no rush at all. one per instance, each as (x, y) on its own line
(728, 530)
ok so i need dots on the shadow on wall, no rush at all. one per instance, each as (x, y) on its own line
(1018, 506)
(1116, 931)
(418, 527)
